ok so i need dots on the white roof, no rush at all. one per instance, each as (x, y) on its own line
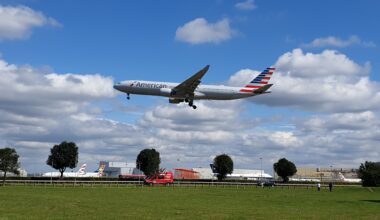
(206, 173)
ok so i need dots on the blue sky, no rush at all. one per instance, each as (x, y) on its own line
(118, 38)
(121, 40)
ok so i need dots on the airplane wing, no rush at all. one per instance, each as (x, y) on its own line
(188, 87)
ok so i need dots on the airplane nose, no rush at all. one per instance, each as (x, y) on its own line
(116, 86)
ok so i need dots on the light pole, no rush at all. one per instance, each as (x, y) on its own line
(139, 170)
(331, 174)
(261, 170)
(51, 175)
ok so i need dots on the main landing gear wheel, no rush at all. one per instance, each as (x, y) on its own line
(191, 104)
(128, 96)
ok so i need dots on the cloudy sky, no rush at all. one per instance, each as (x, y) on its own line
(59, 61)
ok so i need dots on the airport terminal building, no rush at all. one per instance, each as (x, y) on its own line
(323, 174)
(114, 169)
(206, 173)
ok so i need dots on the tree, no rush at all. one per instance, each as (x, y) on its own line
(223, 165)
(285, 168)
(369, 172)
(8, 161)
(148, 161)
(62, 156)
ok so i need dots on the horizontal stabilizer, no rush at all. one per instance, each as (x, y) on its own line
(262, 89)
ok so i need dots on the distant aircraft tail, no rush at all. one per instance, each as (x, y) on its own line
(82, 169)
(100, 170)
(260, 84)
(340, 176)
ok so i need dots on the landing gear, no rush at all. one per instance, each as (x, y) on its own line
(128, 96)
(191, 104)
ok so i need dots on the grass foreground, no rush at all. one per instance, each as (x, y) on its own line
(18, 202)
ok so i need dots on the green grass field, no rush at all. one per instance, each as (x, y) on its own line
(18, 202)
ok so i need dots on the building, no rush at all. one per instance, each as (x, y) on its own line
(206, 173)
(22, 172)
(114, 169)
(186, 174)
(324, 174)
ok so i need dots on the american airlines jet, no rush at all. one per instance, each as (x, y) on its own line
(190, 89)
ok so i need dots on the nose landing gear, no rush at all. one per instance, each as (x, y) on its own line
(128, 96)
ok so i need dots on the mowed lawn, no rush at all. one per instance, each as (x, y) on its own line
(19, 202)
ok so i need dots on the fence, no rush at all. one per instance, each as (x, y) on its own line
(194, 184)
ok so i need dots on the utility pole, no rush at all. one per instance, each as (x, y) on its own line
(261, 171)
(139, 171)
(51, 174)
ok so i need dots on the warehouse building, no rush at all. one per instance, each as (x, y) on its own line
(206, 173)
(22, 173)
(114, 169)
(323, 174)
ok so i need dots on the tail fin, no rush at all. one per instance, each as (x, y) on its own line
(341, 177)
(260, 83)
(81, 170)
(101, 170)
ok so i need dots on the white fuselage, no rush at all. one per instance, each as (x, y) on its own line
(352, 180)
(348, 180)
(70, 174)
(216, 92)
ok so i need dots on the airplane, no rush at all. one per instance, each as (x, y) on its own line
(304, 180)
(250, 176)
(348, 180)
(81, 173)
(190, 89)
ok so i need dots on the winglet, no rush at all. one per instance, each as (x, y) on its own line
(207, 66)
(204, 70)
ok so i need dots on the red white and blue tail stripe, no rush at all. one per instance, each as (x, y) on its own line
(260, 81)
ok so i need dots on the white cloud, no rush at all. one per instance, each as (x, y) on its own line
(246, 5)
(200, 31)
(324, 82)
(18, 22)
(328, 63)
(284, 138)
(332, 41)
(242, 77)
(342, 122)
(39, 109)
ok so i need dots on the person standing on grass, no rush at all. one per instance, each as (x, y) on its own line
(319, 186)
(330, 186)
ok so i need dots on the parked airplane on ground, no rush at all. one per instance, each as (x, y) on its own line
(304, 180)
(81, 173)
(348, 180)
(190, 90)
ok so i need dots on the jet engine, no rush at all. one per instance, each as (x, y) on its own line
(175, 101)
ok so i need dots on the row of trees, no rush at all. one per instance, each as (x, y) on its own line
(65, 155)
(62, 156)
(148, 161)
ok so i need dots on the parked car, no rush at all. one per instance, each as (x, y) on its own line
(263, 183)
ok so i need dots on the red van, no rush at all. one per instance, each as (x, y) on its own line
(165, 178)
